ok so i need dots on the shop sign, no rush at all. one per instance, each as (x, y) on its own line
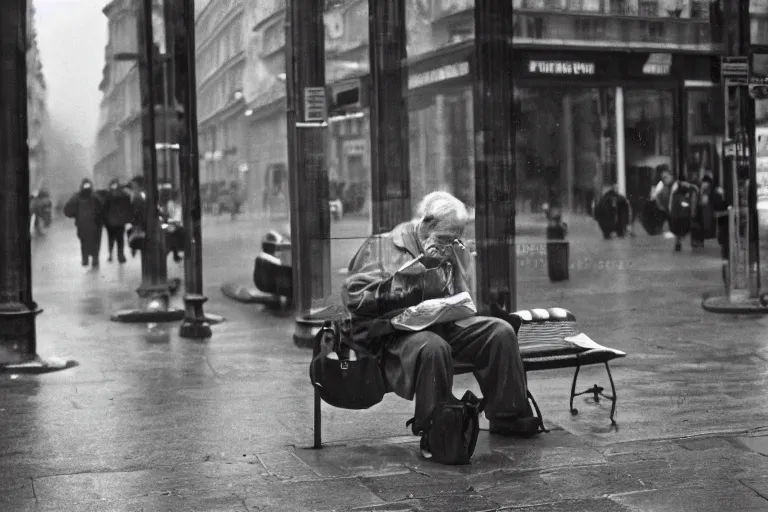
(433, 76)
(658, 64)
(551, 67)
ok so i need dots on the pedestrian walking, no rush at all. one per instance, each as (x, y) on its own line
(677, 199)
(118, 213)
(612, 213)
(85, 208)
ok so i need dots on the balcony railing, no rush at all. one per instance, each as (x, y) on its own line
(572, 27)
(695, 9)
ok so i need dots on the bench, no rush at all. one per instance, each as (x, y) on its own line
(541, 337)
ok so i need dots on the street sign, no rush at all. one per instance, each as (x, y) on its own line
(314, 104)
(734, 68)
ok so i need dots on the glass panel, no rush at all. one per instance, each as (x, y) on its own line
(348, 153)
(649, 136)
(704, 128)
(758, 12)
(565, 147)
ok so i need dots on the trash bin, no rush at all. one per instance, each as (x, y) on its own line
(557, 247)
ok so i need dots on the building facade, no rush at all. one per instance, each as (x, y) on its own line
(220, 59)
(118, 146)
(606, 92)
(37, 111)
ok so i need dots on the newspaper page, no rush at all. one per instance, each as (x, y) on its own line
(435, 311)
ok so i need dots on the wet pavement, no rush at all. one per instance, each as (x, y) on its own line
(150, 421)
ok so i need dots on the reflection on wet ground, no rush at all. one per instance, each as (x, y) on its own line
(154, 422)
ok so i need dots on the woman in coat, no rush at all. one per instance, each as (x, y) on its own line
(86, 208)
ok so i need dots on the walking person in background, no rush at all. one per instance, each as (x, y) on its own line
(86, 208)
(677, 199)
(136, 232)
(117, 213)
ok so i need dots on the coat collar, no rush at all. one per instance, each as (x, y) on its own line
(404, 237)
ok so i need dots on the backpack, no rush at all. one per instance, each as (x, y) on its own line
(451, 434)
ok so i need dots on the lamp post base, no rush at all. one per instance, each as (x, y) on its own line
(154, 307)
(17, 333)
(738, 306)
(197, 324)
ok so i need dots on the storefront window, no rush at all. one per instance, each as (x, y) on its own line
(704, 130)
(649, 137)
(565, 146)
(758, 13)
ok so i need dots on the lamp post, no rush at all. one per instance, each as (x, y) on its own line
(18, 310)
(154, 292)
(18, 338)
(180, 25)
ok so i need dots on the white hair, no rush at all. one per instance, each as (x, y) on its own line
(441, 210)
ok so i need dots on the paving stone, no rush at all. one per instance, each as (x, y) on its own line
(325, 495)
(417, 485)
(590, 505)
(15, 489)
(285, 465)
(712, 497)
(180, 481)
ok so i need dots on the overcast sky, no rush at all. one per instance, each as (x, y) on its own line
(71, 37)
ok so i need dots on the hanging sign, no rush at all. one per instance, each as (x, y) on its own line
(658, 64)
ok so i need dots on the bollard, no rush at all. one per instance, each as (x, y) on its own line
(557, 246)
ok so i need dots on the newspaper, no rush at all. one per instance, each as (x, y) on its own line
(584, 341)
(435, 311)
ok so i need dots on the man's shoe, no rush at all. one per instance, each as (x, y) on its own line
(109, 259)
(678, 246)
(84, 262)
(121, 258)
(520, 427)
(424, 447)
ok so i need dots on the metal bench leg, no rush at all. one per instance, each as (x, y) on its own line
(612, 398)
(597, 392)
(318, 410)
(574, 412)
(318, 421)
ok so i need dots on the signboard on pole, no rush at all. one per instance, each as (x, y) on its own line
(315, 108)
(735, 70)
